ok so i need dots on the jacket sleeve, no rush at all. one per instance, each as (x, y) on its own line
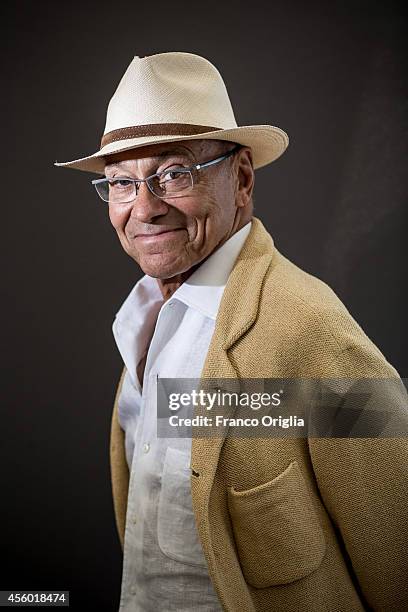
(363, 483)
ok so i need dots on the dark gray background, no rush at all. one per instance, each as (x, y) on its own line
(332, 74)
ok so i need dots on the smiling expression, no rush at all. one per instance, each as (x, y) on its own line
(170, 237)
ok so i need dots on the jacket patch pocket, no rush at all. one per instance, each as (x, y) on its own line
(176, 529)
(276, 529)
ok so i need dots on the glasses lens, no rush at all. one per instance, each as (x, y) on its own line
(116, 191)
(172, 183)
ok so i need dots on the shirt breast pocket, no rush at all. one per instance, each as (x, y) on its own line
(276, 529)
(176, 529)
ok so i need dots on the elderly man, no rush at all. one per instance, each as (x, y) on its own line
(226, 522)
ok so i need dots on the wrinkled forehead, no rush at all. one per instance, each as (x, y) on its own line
(156, 152)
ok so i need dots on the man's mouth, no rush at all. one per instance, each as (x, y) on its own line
(163, 235)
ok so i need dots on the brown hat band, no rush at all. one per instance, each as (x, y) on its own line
(156, 129)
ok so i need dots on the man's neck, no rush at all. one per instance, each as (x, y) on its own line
(168, 286)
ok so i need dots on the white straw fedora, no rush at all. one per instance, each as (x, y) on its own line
(171, 97)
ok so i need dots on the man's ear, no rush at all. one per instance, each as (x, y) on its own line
(246, 177)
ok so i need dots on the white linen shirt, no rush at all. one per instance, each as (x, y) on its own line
(164, 567)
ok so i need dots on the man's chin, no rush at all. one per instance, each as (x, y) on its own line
(162, 271)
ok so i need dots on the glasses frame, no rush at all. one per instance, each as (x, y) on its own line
(148, 179)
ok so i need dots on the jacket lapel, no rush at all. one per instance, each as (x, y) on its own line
(237, 313)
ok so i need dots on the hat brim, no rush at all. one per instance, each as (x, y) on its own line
(266, 141)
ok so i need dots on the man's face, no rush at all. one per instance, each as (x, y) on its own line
(168, 237)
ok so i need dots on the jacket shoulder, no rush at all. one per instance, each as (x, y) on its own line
(311, 320)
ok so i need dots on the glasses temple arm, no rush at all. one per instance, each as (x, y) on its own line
(218, 159)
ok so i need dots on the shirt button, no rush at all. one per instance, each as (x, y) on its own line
(146, 447)
(133, 591)
(134, 520)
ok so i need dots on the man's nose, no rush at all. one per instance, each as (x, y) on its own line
(146, 206)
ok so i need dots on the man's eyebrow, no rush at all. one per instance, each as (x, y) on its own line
(166, 153)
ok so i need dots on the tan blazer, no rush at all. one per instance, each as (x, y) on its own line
(322, 525)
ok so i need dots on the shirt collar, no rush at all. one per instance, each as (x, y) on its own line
(204, 288)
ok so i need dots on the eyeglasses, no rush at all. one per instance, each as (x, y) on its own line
(172, 183)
